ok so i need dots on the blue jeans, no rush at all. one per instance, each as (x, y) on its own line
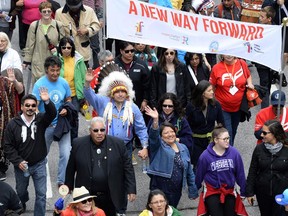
(39, 176)
(231, 120)
(64, 152)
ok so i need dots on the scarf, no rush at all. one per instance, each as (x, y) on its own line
(82, 213)
(273, 149)
(167, 117)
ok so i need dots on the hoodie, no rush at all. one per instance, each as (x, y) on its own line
(217, 170)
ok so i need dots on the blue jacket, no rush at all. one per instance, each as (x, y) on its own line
(162, 161)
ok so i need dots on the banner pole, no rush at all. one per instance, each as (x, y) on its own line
(283, 63)
(104, 26)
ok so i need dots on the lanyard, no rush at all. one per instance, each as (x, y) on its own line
(231, 74)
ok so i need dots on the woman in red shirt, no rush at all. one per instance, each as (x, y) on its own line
(230, 78)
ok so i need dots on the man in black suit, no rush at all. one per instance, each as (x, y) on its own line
(102, 165)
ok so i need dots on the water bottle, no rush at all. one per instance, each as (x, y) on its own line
(87, 113)
(26, 171)
(145, 165)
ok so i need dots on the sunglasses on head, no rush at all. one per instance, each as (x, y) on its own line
(65, 47)
(169, 53)
(265, 132)
(97, 130)
(167, 106)
(87, 200)
(127, 51)
(30, 105)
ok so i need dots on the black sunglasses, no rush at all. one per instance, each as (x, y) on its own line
(64, 47)
(87, 200)
(127, 51)
(167, 105)
(171, 53)
(97, 130)
(28, 105)
(266, 132)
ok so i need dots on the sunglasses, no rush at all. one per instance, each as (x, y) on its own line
(87, 200)
(167, 106)
(30, 105)
(46, 11)
(97, 130)
(265, 132)
(127, 51)
(171, 53)
(65, 47)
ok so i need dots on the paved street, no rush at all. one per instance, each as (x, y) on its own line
(245, 143)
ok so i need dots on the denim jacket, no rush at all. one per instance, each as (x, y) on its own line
(162, 161)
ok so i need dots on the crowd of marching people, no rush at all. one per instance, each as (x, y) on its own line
(179, 110)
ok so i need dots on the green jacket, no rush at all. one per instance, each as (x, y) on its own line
(79, 73)
(171, 211)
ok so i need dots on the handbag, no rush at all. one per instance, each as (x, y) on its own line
(252, 97)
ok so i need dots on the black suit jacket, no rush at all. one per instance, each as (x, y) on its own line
(121, 176)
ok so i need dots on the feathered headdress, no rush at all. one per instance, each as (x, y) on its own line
(116, 79)
(110, 84)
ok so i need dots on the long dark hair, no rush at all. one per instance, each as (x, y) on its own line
(154, 193)
(277, 130)
(178, 109)
(188, 56)
(162, 60)
(63, 42)
(197, 95)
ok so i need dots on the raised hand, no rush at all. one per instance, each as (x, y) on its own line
(11, 74)
(89, 75)
(151, 112)
(44, 95)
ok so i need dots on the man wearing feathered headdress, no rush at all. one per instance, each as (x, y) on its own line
(114, 102)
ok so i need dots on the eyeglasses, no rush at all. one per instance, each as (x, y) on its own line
(65, 47)
(167, 106)
(46, 11)
(225, 139)
(171, 53)
(265, 132)
(127, 51)
(87, 200)
(28, 105)
(161, 202)
(97, 130)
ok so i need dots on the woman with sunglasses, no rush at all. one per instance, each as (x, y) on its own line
(169, 75)
(202, 113)
(42, 40)
(170, 168)
(220, 167)
(73, 70)
(137, 70)
(82, 204)
(157, 205)
(268, 172)
(170, 111)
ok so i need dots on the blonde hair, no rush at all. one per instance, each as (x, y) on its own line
(5, 36)
(73, 206)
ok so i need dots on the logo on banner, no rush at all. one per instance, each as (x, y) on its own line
(139, 28)
(185, 40)
(214, 46)
(255, 47)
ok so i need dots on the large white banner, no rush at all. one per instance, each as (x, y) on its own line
(136, 21)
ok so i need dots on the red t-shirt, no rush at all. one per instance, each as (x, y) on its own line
(267, 114)
(223, 77)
